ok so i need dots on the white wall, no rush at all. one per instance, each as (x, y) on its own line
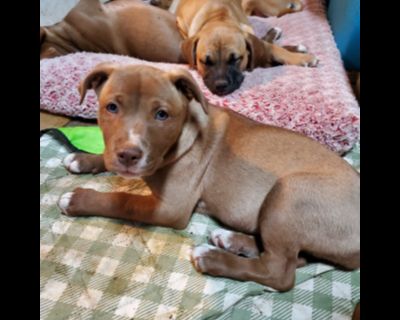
(52, 11)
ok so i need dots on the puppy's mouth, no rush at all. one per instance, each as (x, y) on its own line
(130, 174)
(136, 172)
(227, 85)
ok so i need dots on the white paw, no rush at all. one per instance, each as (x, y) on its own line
(277, 33)
(71, 163)
(198, 253)
(313, 63)
(222, 238)
(301, 48)
(64, 202)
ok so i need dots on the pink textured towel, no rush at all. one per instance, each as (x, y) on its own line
(317, 102)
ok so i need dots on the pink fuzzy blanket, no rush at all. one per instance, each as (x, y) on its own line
(317, 102)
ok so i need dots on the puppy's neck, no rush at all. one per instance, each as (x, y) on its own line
(194, 131)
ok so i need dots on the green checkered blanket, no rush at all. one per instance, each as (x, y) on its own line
(99, 268)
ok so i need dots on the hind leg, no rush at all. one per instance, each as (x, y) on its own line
(273, 269)
(241, 244)
(276, 265)
(303, 212)
(235, 242)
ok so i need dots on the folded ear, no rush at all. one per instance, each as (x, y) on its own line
(188, 48)
(96, 79)
(197, 117)
(256, 51)
(184, 83)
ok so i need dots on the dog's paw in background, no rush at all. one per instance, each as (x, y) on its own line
(300, 48)
(311, 62)
(306, 60)
(273, 34)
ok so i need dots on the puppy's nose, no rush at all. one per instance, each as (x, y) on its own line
(130, 156)
(221, 85)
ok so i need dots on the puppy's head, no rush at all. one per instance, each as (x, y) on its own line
(277, 8)
(220, 54)
(147, 116)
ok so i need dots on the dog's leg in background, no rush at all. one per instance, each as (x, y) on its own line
(291, 55)
(274, 34)
(264, 8)
(265, 54)
(84, 163)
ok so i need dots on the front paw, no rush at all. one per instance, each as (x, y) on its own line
(83, 163)
(74, 203)
(307, 60)
(72, 164)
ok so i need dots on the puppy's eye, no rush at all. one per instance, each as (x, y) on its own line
(233, 59)
(291, 6)
(161, 115)
(207, 62)
(112, 108)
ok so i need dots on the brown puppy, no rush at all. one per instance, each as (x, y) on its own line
(356, 313)
(125, 27)
(269, 8)
(220, 44)
(262, 8)
(286, 189)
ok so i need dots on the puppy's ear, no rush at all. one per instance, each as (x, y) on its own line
(96, 79)
(188, 49)
(42, 34)
(184, 82)
(256, 51)
(196, 119)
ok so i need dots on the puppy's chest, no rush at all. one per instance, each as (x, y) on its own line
(236, 200)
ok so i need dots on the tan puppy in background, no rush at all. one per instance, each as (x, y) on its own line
(220, 43)
(135, 29)
(262, 8)
(283, 193)
(125, 27)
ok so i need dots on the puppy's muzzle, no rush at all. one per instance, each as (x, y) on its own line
(224, 86)
(221, 85)
(130, 156)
